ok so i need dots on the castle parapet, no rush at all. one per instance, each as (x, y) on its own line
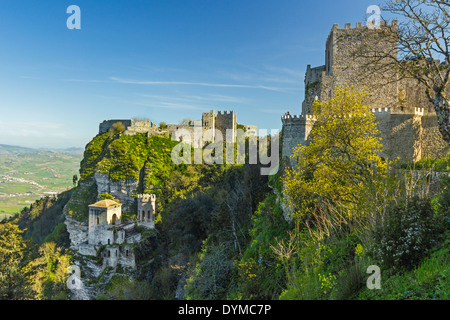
(381, 110)
(108, 124)
(290, 119)
(225, 112)
(419, 111)
(359, 25)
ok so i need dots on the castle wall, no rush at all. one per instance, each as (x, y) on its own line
(209, 120)
(141, 126)
(350, 68)
(405, 117)
(224, 121)
(296, 130)
(402, 135)
(250, 130)
(146, 209)
(97, 216)
(123, 255)
(433, 146)
(107, 124)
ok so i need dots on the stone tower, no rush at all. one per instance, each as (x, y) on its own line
(227, 120)
(146, 210)
(103, 215)
(405, 118)
(343, 65)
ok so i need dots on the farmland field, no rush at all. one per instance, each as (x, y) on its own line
(29, 174)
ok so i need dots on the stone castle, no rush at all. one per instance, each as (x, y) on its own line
(108, 235)
(221, 121)
(405, 117)
(105, 233)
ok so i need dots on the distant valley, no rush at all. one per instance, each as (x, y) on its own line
(28, 174)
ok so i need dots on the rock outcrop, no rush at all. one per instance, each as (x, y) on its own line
(121, 190)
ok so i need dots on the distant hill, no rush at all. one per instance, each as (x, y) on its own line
(27, 174)
(4, 148)
(7, 149)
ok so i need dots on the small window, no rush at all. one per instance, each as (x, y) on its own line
(126, 253)
(109, 241)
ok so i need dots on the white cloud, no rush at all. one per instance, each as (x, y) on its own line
(205, 84)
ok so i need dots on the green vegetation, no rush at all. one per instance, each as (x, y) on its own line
(442, 164)
(352, 209)
(29, 174)
(227, 232)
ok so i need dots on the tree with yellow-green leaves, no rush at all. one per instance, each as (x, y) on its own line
(342, 165)
(49, 272)
(13, 280)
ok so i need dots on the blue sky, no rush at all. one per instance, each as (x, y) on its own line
(164, 60)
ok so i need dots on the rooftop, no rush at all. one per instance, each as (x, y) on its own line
(105, 204)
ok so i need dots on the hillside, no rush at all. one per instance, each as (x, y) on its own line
(224, 232)
(28, 174)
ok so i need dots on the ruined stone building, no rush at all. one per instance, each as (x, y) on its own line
(405, 117)
(221, 121)
(108, 235)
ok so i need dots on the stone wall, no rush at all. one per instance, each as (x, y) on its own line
(432, 144)
(296, 130)
(226, 120)
(107, 124)
(405, 116)
(141, 126)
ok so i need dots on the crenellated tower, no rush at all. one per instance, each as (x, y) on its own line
(405, 117)
(146, 209)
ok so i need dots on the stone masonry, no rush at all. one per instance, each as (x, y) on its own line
(221, 121)
(405, 117)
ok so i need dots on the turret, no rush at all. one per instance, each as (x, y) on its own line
(146, 209)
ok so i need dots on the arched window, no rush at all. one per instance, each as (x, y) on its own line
(114, 218)
(109, 241)
(98, 220)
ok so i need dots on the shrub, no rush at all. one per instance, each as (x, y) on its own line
(408, 231)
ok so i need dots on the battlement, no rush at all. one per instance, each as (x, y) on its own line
(141, 123)
(296, 118)
(419, 111)
(359, 25)
(146, 197)
(225, 112)
(381, 110)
